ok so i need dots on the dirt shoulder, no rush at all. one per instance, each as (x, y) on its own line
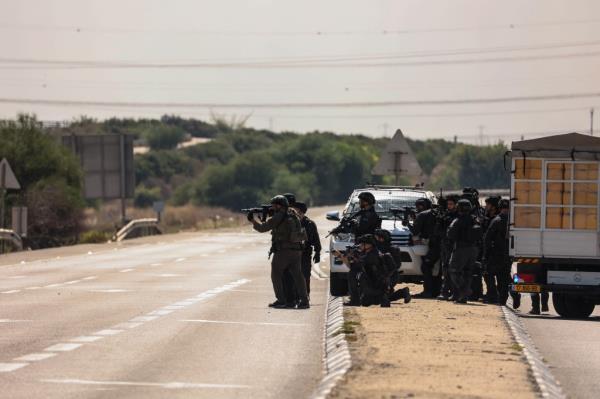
(433, 349)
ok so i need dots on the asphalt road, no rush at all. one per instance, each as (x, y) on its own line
(173, 316)
(571, 348)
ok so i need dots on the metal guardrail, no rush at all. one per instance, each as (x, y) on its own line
(138, 228)
(11, 236)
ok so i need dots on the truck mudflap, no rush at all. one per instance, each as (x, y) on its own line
(533, 288)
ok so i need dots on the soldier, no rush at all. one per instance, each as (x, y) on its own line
(312, 244)
(372, 287)
(495, 251)
(535, 303)
(446, 246)
(366, 221)
(287, 244)
(465, 232)
(424, 230)
(386, 249)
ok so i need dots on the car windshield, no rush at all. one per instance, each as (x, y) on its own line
(386, 200)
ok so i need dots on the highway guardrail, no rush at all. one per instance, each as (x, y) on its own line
(12, 237)
(138, 228)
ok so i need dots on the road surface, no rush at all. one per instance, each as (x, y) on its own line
(175, 316)
(571, 348)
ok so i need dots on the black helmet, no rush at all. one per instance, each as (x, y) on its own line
(301, 206)
(291, 198)
(452, 197)
(424, 202)
(387, 236)
(280, 200)
(504, 204)
(367, 196)
(366, 239)
(464, 205)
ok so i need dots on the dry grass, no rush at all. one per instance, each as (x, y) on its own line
(174, 219)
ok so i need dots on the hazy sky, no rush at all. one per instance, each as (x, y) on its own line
(97, 55)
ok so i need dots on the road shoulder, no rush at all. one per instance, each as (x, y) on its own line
(433, 349)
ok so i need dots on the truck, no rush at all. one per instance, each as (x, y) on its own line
(554, 234)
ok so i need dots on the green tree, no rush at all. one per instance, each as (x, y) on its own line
(164, 137)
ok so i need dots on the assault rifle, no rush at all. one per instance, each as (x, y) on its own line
(264, 210)
(345, 226)
(404, 214)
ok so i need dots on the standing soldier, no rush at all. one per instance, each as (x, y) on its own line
(312, 244)
(465, 232)
(496, 256)
(424, 229)
(288, 237)
(490, 270)
(447, 246)
(366, 221)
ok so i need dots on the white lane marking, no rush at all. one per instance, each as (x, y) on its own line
(62, 347)
(180, 259)
(90, 253)
(34, 357)
(37, 287)
(11, 292)
(90, 278)
(245, 323)
(125, 270)
(165, 385)
(109, 290)
(143, 319)
(108, 332)
(53, 285)
(167, 275)
(86, 338)
(173, 307)
(17, 277)
(183, 303)
(12, 321)
(204, 255)
(221, 251)
(72, 282)
(156, 264)
(160, 312)
(8, 367)
(127, 325)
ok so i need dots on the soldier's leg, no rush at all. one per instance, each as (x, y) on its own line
(294, 260)
(503, 282)
(353, 287)
(545, 297)
(456, 270)
(306, 268)
(427, 270)
(535, 304)
(492, 282)
(290, 288)
(278, 266)
(434, 256)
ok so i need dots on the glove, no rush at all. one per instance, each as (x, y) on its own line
(317, 257)
(250, 217)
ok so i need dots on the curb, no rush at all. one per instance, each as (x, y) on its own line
(548, 385)
(336, 356)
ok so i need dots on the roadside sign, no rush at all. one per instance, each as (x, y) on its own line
(398, 159)
(158, 206)
(19, 220)
(8, 180)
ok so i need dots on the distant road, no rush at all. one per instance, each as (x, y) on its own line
(178, 316)
(571, 347)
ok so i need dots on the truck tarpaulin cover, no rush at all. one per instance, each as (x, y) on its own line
(565, 146)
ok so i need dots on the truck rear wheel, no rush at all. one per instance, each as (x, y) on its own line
(338, 286)
(572, 306)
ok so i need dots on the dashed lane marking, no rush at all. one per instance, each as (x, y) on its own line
(53, 285)
(167, 275)
(37, 287)
(8, 367)
(34, 357)
(110, 290)
(62, 347)
(246, 323)
(72, 282)
(156, 264)
(127, 325)
(161, 312)
(180, 259)
(165, 385)
(17, 277)
(86, 338)
(126, 270)
(90, 278)
(11, 292)
(143, 319)
(12, 321)
(108, 332)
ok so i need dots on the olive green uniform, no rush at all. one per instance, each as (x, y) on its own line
(287, 255)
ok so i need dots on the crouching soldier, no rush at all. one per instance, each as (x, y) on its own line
(392, 260)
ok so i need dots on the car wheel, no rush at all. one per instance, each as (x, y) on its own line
(338, 286)
(573, 306)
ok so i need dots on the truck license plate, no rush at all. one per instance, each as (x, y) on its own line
(535, 288)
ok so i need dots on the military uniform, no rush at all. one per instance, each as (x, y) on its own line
(313, 243)
(287, 255)
(425, 228)
(464, 255)
(372, 280)
(497, 260)
(366, 221)
(446, 247)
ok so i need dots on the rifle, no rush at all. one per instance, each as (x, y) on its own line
(345, 226)
(403, 214)
(264, 210)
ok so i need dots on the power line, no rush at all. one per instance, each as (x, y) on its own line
(370, 104)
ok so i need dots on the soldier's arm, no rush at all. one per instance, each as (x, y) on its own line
(315, 240)
(269, 224)
(489, 237)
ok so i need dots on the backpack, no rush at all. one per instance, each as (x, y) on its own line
(297, 231)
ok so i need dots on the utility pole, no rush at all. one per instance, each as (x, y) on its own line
(591, 121)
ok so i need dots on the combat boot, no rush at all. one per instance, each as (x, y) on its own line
(278, 305)
(303, 305)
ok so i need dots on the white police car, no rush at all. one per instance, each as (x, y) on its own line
(386, 197)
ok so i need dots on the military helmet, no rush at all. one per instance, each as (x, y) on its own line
(424, 202)
(387, 236)
(366, 239)
(280, 200)
(464, 205)
(291, 198)
(367, 196)
(453, 198)
(493, 200)
(301, 206)
(504, 204)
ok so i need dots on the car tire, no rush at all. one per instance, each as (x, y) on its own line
(572, 306)
(338, 286)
